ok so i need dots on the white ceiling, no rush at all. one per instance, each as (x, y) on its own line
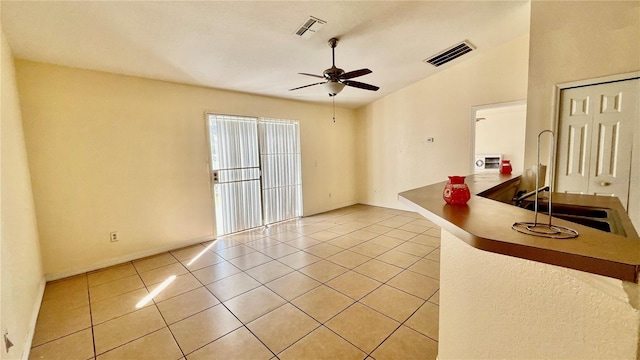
(249, 46)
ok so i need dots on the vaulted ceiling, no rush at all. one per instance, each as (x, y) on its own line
(250, 46)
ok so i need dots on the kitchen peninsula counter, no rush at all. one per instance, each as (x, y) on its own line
(507, 295)
(486, 224)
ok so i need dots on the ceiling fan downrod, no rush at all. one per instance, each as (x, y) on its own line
(333, 42)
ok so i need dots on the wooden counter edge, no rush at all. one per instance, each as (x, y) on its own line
(591, 264)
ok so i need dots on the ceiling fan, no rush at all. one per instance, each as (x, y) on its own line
(336, 78)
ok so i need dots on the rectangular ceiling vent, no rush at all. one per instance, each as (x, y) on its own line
(310, 27)
(450, 54)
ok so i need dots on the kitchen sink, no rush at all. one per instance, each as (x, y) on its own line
(603, 225)
(574, 210)
(603, 219)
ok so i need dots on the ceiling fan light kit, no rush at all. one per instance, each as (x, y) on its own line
(333, 87)
(336, 79)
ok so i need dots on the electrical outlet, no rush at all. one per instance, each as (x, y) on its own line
(113, 236)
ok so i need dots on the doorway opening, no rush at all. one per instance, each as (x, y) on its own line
(596, 126)
(498, 131)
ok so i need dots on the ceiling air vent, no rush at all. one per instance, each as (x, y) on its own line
(310, 27)
(452, 53)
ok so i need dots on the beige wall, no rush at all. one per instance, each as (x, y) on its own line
(509, 308)
(110, 152)
(393, 153)
(22, 280)
(571, 41)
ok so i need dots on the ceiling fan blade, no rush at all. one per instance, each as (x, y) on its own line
(355, 73)
(360, 85)
(314, 75)
(301, 87)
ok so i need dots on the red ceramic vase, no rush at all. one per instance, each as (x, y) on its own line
(456, 192)
(505, 167)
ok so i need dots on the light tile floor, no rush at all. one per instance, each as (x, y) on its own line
(355, 283)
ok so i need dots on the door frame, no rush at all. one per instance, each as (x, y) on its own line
(207, 132)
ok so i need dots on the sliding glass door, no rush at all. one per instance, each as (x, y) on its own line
(281, 173)
(235, 168)
(255, 171)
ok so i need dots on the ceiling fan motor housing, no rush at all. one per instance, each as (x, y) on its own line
(333, 73)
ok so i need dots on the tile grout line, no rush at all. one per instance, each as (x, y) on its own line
(231, 312)
(321, 323)
(382, 283)
(303, 336)
(93, 335)
(277, 259)
(403, 323)
(76, 331)
(264, 284)
(154, 304)
(160, 312)
(335, 315)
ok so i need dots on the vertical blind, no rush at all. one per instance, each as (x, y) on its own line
(281, 173)
(236, 167)
(256, 171)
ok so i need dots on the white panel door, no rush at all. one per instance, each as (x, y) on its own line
(596, 138)
(574, 140)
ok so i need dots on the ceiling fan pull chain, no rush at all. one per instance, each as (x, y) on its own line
(333, 98)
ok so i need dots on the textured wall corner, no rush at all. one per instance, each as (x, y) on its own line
(633, 293)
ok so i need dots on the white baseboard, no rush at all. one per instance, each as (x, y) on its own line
(398, 205)
(31, 329)
(321, 210)
(126, 258)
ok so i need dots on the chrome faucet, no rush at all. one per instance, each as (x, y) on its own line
(521, 195)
